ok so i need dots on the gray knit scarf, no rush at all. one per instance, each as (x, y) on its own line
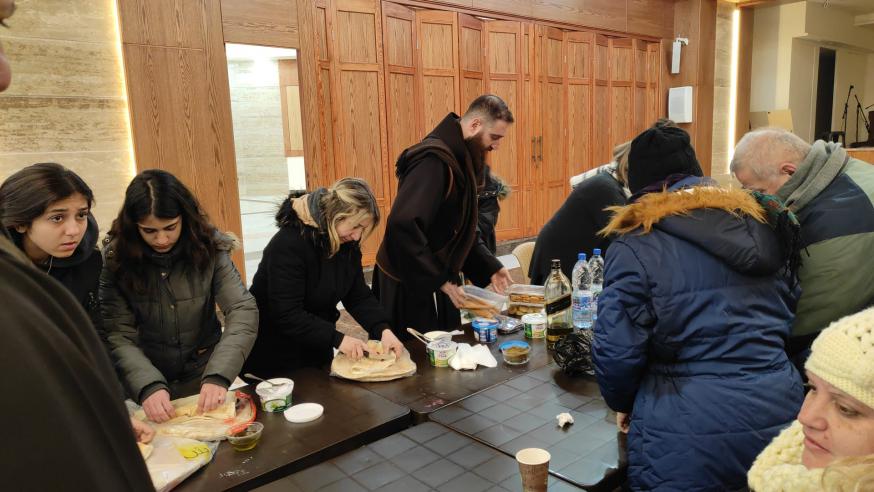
(824, 162)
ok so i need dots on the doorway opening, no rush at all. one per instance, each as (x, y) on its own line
(825, 91)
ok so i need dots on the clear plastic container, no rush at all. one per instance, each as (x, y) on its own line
(489, 296)
(527, 294)
(518, 309)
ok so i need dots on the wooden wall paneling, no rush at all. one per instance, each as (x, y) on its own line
(263, 22)
(641, 74)
(168, 23)
(521, 8)
(471, 59)
(653, 17)
(313, 48)
(553, 105)
(599, 14)
(332, 167)
(530, 126)
(580, 46)
(403, 121)
(358, 101)
(621, 95)
(438, 65)
(504, 70)
(654, 109)
(601, 118)
(289, 95)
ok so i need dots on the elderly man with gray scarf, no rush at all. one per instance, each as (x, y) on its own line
(832, 195)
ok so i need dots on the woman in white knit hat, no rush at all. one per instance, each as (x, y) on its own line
(831, 445)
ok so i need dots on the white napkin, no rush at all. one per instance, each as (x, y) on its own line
(467, 357)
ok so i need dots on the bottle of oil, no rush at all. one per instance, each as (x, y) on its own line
(558, 305)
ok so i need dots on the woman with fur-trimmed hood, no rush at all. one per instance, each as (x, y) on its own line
(698, 301)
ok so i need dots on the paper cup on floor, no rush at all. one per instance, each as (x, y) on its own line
(534, 468)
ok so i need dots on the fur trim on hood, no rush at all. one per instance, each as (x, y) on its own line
(653, 207)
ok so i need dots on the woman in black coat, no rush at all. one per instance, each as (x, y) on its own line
(312, 263)
(46, 209)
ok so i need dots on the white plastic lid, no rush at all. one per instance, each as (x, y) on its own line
(304, 412)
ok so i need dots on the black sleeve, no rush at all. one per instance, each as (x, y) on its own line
(362, 304)
(419, 198)
(286, 269)
(480, 264)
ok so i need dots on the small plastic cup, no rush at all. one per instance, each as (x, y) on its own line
(247, 438)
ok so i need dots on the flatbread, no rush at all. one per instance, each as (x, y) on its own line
(373, 370)
(145, 449)
(237, 410)
(186, 410)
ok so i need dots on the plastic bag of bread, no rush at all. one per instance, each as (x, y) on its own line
(372, 369)
(236, 412)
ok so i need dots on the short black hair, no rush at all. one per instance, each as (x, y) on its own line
(491, 107)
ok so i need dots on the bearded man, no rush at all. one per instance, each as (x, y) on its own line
(431, 231)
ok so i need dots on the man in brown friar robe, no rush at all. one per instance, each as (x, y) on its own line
(430, 236)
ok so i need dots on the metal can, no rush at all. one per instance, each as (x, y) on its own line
(535, 325)
(485, 329)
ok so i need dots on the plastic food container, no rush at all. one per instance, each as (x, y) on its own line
(437, 335)
(521, 309)
(527, 294)
(491, 297)
(247, 438)
(485, 329)
(440, 351)
(516, 352)
(535, 325)
(275, 398)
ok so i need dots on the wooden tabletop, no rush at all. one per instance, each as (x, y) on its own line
(432, 388)
(521, 413)
(353, 417)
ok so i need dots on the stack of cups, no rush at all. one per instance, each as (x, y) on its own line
(534, 468)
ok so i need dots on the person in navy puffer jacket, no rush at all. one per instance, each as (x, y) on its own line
(697, 305)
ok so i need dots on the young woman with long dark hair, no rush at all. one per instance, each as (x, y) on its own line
(166, 267)
(46, 209)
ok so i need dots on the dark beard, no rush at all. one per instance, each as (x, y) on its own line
(478, 155)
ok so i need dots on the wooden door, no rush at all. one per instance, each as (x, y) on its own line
(551, 142)
(505, 78)
(621, 95)
(358, 100)
(471, 59)
(403, 119)
(531, 176)
(580, 46)
(654, 108)
(601, 117)
(438, 66)
(320, 170)
(641, 74)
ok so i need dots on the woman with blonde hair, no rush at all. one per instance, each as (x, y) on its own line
(312, 263)
(831, 444)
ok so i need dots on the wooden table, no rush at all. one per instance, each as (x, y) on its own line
(423, 458)
(353, 417)
(432, 388)
(521, 413)
(863, 153)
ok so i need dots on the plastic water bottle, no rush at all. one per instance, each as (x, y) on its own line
(582, 294)
(596, 267)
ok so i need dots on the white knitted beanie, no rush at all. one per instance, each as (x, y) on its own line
(843, 355)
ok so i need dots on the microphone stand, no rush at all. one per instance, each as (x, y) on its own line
(844, 117)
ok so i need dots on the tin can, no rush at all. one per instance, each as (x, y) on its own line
(485, 329)
(440, 351)
(535, 325)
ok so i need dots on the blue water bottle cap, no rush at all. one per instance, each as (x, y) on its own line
(596, 252)
(581, 256)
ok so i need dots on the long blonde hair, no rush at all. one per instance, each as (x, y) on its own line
(854, 474)
(352, 199)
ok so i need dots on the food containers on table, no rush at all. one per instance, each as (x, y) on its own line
(275, 398)
(495, 302)
(516, 352)
(440, 351)
(485, 329)
(535, 325)
(526, 299)
(247, 437)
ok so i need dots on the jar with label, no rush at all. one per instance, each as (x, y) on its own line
(485, 329)
(535, 325)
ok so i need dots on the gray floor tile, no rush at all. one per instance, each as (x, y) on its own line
(424, 432)
(472, 455)
(548, 410)
(596, 408)
(473, 424)
(405, 484)
(524, 422)
(513, 482)
(285, 484)
(585, 471)
(467, 482)
(450, 414)
(522, 442)
(546, 391)
(550, 433)
(501, 412)
(477, 403)
(523, 383)
(498, 434)
(497, 469)
(376, 476)
(501, 392)
(438, 473)
(355, 461)
(316, 477)
(498, 488)
(345, 485)
(415, 458)
(524, 402)
(447, 443)
(392, 446)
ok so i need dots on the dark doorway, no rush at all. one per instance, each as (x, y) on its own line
(825, 92)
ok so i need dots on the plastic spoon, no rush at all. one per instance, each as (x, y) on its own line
(418, 336)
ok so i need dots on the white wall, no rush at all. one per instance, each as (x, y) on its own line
(773, 31)
(850, 68)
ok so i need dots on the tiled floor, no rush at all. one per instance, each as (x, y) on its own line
(428, 457)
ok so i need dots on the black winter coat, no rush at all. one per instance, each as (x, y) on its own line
(297, 289)
(574, 227)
